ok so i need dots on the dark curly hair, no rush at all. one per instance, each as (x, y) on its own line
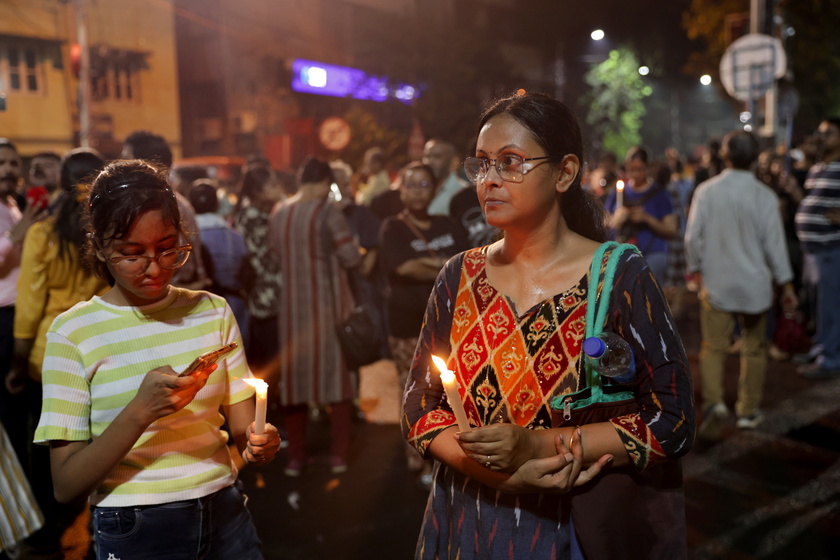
(122, 192)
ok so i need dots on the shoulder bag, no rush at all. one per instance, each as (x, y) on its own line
(622, 513)
(358, 334)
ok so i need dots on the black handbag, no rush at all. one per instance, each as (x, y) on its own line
(359, 335)
(359, 338)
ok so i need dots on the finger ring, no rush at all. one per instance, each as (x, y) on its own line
(487, 464)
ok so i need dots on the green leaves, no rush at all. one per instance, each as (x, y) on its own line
(616, 105)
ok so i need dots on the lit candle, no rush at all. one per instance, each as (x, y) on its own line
(262, 400)
(619, 193)
(450, 385)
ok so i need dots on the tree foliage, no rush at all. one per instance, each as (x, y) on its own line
(617, 104)
(368, 132)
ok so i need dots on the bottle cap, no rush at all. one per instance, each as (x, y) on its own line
(594, 347)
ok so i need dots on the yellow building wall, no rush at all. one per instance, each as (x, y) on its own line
(48, 120)
(148, 26)
(39, 121)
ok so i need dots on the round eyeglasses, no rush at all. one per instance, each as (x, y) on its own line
(510, 167)
(136, 265)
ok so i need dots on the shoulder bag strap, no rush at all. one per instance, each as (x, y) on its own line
(598, 302)
(417, 233)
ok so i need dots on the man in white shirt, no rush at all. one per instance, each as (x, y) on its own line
(439, 155)
(735, 247)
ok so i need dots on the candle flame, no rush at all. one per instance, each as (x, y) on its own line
(619, 185)
(441, 365)
(258, 384)
(446, 375)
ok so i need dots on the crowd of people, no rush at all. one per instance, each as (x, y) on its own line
(126, 271)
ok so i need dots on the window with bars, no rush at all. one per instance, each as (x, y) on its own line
(20, 69)
(115, 73)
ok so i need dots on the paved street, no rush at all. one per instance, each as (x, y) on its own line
(772, 493)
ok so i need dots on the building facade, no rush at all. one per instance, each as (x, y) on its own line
(130, 83)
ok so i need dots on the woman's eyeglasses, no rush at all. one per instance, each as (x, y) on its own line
(136, 265)
(510, 167)
(419, 185)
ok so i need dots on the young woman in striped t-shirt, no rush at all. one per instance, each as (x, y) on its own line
(145, 445)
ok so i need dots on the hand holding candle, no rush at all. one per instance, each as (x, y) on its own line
(450, 385)
(262, 400)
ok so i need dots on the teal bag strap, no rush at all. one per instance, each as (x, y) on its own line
(597, 306)
(598, 303)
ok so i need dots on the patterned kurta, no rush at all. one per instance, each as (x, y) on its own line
(313, 244)
(509, 367)
(263, 295)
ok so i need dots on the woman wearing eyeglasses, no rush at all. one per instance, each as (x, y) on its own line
(508, 319)
(414, 248)
(143, 443)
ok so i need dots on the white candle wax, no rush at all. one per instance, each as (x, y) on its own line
(450, 386)
(262, 400)
(619, 193)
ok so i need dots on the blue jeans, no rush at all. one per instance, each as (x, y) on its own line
(828, 301)
(216, 527)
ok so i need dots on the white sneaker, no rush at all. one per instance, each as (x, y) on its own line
(714, 420)
(750, 422)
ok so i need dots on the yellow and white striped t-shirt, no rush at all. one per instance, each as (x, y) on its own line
(97, 354)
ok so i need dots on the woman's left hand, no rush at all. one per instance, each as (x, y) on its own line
(556, 474)
(500, 447)
(261, 448)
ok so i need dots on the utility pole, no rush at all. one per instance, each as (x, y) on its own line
(84, 73)
(758, 24)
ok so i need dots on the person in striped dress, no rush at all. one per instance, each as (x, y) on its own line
(143, 443)
(314, 246)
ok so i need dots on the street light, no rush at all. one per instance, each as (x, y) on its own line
(705, 79)
(597, 35)
(644, 70)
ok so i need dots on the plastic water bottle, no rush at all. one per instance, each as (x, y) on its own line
(611, 356)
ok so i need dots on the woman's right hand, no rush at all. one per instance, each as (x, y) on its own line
(557, 474)
(619, 217)
(162, 392)
(30, 215)
(15, 381)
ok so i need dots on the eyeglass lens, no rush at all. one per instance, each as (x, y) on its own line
(137, 265)
(509, 167)
(418, 185)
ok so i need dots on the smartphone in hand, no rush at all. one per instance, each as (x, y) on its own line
(208, 358)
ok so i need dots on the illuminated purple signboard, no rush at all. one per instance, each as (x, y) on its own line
(342, 81)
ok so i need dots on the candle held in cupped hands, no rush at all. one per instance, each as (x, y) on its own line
(450, 386)
(262, 401)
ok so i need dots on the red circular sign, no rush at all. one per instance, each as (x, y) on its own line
(334, 133)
